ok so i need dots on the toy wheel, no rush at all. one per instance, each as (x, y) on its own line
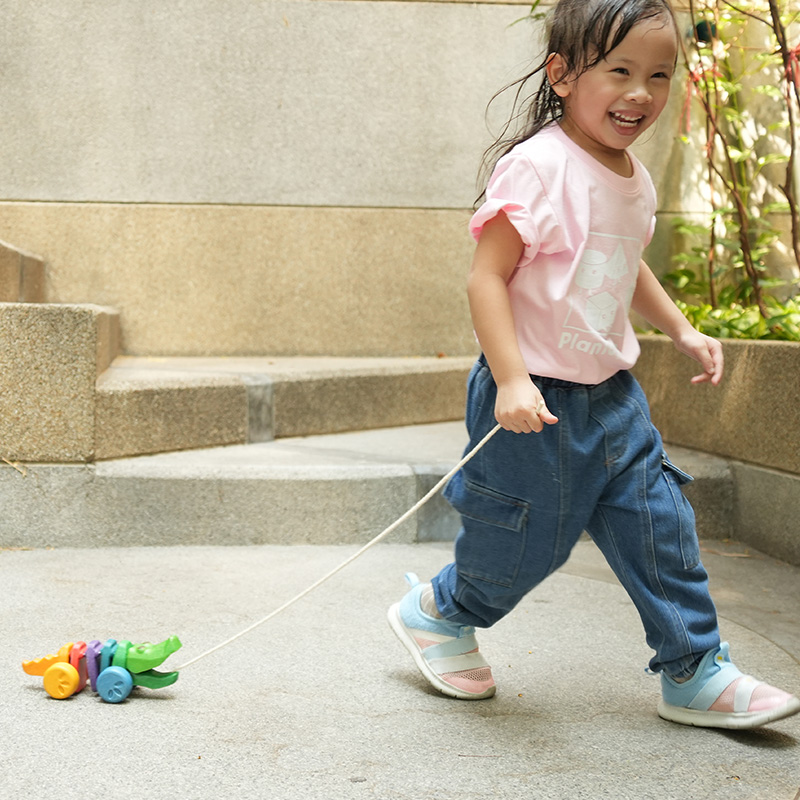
(61, 680)
(114, 684)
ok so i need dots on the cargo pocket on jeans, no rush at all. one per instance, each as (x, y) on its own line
(492, 543)
(690, 547)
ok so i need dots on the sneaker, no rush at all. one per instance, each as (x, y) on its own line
(445, 653)
(718, 695)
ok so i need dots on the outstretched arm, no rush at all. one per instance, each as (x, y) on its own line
(496, 256)
(655, 305)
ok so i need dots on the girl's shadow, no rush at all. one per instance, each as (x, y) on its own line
(762, 737)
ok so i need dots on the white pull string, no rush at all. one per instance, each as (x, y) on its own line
(352, 558)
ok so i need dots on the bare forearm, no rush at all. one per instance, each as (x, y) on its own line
(655, 305)
(651, 301)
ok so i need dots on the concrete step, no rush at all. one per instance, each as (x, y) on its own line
(332, 489)
(152, 405)
(67, 396)
(329, 489)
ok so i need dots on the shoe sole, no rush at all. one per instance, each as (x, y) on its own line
(743, 720)
(400, 630)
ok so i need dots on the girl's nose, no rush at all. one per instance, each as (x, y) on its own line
(639, 94)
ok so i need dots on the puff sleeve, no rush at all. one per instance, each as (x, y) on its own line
(516, 189)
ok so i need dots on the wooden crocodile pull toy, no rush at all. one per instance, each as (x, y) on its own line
(111, 668)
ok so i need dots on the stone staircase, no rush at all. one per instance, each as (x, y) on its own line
(102, 449)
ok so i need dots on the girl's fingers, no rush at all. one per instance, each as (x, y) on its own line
(532, 421)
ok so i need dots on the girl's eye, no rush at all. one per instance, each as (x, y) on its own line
(662, 75)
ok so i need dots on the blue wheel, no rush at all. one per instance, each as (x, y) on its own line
(114, 684)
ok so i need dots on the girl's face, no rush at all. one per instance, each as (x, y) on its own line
(607, 107)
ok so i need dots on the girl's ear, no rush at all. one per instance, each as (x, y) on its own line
(557, 74)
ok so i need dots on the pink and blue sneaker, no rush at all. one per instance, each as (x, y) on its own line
(718, 695)
(446, 653)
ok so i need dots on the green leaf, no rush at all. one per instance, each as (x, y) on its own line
(772, 158)
(769, 91)
(739, 155)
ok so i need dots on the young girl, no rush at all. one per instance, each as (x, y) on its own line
(556, 269)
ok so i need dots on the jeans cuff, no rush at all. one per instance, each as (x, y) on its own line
(683, 668)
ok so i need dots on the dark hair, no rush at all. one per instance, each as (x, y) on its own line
(583, 33)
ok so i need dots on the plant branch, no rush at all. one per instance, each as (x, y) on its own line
(790, 79)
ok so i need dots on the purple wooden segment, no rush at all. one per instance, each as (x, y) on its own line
(93, 661)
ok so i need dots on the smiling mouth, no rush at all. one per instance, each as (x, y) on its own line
(625, 120)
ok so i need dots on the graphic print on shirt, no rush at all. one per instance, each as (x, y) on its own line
(601, 294)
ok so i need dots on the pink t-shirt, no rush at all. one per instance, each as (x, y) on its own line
(583, 227)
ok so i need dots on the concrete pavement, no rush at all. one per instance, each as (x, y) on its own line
(323, 702)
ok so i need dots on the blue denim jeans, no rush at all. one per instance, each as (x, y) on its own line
(525, 499)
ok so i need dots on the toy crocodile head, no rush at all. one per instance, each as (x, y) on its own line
(147, 656)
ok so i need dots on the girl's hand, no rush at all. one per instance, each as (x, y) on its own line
(520, 407)
(706, 351)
